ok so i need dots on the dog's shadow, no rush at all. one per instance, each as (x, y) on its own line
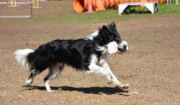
(87, 90)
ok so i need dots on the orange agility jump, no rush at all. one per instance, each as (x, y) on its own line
(100, 5)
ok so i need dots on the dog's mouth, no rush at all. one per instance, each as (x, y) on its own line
(123, 47)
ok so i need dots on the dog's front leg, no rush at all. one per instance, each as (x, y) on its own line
(114, 79)
(103, 62)
(96, 69)
(99, 70)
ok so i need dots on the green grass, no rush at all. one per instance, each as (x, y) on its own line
(93, 17)
(169, 9)
(162, 9)
(135, 10)
(112, 15)
(68, 16)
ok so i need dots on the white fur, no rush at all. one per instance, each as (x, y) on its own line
(91, 36)
(122, 44)
(104, 63)
(101, 67)
(112, 47)
(54, 72)
(96, 69)
(101, 48)
(29, 81)
(48, 88)
(21, 57)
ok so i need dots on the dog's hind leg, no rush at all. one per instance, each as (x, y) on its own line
(54, 71)
(35, 72)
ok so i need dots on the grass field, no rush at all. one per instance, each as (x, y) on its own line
(108, 15)
(68, 16)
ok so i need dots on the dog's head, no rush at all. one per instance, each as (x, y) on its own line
(112, 38)
(108, 36)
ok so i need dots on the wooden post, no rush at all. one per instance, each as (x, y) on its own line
(36, 4)
(177, 2)
(167, 2)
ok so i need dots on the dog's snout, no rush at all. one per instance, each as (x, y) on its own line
(124, 46)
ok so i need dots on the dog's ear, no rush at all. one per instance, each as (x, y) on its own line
(104, 30)
(112, 26)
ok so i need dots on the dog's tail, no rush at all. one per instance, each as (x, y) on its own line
(25, 58)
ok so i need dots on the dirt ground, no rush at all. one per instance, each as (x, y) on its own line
(151, 66)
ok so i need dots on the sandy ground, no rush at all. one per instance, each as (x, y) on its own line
(151, 66)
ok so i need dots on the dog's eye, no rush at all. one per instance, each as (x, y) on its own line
(117, 38)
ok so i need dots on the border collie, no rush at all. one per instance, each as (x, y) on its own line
(89, 55)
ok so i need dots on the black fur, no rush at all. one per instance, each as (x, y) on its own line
(86, 54)
(75, 53)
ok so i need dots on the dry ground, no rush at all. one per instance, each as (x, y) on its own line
(151, 66)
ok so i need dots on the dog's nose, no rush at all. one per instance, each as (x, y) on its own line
(124, 46)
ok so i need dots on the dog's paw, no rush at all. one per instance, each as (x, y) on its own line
(28, 82)
(123, 86)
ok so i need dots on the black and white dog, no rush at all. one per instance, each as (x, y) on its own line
(89, 55)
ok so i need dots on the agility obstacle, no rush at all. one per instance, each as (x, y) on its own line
(100, 5)
(14, 4)
(177, 2)
(36, 4)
